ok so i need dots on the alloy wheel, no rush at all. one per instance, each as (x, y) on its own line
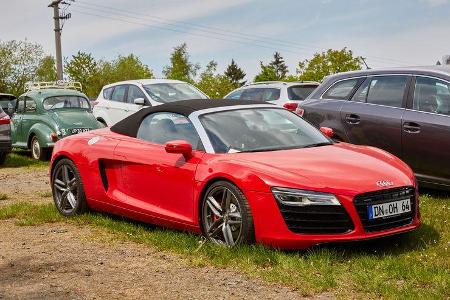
(65, 189)
(222, 217)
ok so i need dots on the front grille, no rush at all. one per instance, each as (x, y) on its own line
(316, 219)
(363, 201)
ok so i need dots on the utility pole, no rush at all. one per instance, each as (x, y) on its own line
(58, 28)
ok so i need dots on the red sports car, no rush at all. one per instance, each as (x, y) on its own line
(236, 172)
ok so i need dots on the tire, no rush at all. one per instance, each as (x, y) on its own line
(2, 157)
(235, 226)
(37, 152)
(68, 189)
(102, 123)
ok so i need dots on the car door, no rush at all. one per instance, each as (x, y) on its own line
(134, 92)
(374, 114)
(325, 112)
(16, 123)
(159, 183)
(118, 108)
(29, 118)
(426, 130)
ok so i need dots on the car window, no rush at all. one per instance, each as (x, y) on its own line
(21, 105)
(30, 105)
(119, 93)
(160, 128)
(261, 94)
(235, 95)
(361, 93)
(387, 90)
(300, 92)
(133, 93)
(65, 102)
(341, 89)
(432, 95)
(171, 92)
(107, 93)
(7, 102)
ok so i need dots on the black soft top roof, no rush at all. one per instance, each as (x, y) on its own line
(130, 125)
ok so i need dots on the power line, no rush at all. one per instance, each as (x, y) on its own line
(213, 30)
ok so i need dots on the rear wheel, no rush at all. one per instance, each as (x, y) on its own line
(226, 217)
(67, 188)
(2, 157)
(37, 152)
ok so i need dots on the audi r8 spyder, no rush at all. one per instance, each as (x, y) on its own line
(236, 172)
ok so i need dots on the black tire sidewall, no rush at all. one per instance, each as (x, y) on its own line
(81, 205)
(247, 230)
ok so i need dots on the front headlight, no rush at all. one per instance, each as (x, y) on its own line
(296, 197)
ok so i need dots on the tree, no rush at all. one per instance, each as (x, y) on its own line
(180, 68)
(125, 68)
(267, 73)
(235, 74)
(279, 65)
(46, 70)
(213, 84)
(329, 62)
(85, 69)
(19, 61)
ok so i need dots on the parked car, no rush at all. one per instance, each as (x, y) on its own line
(405, 111)
(238, 172)
(5, 135)
(121, 99)
(286, 94)
(47, 113)
(7, 103)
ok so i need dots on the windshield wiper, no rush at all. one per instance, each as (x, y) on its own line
(318, 145)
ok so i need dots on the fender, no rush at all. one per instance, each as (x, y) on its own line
(100, 114)
(43, 132)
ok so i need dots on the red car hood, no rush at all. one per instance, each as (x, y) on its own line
(340, 168)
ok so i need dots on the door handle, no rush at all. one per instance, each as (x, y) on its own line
(352, 119)
(411, 127)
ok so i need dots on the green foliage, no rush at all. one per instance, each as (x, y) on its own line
(329, 62)
(93, 74)
(408, 266)
(267, 73)
(214, 85)
(22, 158)
(276, 70)
(19, 61)
(235, 74)
(46, 70)
(180, 67)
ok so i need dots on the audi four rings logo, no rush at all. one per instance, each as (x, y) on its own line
(384, 183)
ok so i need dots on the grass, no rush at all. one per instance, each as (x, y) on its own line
(410, 266)
(22, 158)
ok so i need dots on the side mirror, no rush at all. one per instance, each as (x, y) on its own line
(180, 147)
(139, 101)
(327, 131)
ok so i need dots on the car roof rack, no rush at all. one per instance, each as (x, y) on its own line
(281, 82)
(72, 85)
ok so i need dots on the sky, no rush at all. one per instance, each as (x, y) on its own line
(387, 33)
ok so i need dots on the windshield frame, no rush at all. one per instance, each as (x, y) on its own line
(195, 118)
(68, 108)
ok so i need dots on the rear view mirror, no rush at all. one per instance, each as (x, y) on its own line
(139, 101)
(327, 131)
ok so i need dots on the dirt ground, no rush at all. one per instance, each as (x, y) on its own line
(61, 261)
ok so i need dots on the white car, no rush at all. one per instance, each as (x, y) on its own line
(119, 100)
(286, 94)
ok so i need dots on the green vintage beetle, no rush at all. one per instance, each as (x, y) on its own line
(47, 113)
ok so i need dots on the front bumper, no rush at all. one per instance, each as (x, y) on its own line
(271, 227)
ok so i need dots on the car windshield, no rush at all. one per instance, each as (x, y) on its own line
(300, 92)
(7, 102)
(66, 102)
(260, 129)
(171, 92)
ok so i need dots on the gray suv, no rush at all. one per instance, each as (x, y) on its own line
(5, 135)
(405, 111)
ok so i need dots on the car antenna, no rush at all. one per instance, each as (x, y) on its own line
(364, 61)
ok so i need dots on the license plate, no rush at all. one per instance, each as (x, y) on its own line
(79, 130)
(389, 209)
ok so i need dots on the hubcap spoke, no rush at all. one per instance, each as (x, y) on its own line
(71, 199)
(60, 185)
(226, 196)
(65, 174)
(214, 206)
(212, 231)
(72, 184)
(227, 234)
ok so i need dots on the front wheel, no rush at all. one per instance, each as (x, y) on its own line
(37, 152)
(226, 217)
(67, 188)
